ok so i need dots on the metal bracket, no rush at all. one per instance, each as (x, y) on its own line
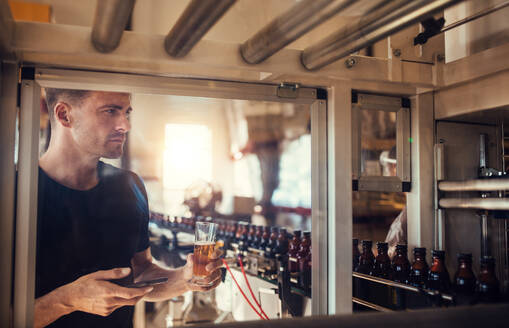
(288, 90)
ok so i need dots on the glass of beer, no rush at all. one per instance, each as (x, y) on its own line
(204, 246)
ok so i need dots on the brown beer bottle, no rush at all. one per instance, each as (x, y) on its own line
(271, 245)
(366, 259)
(250, 235)
(303, 258)
(355, 253)
(400, 265)
(419, 269)
(293, 249)
(264, 241)
(487, 284)
(438, 276)
(281, 243)
(257, 237)
(464, 278)
(382, 263)
(305, 269)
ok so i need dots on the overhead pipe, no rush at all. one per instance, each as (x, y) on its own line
(475, 16)
(288, 27)
(195, 21)
(111, 17)
(387, 20)
(475, 185)
(493, 204)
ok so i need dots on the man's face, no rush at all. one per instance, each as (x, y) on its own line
(101, 123)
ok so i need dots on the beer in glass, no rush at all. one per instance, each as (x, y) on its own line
(204, 246)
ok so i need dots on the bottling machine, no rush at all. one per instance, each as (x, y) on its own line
(436, 70)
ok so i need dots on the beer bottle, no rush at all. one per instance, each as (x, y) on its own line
(239, 232)
(400, 265)
(243, 235)
(250, 234)
(303, 258)
(366, 259)
(281, 243)
(257, 236)
(355, 253)
(487, 283)
(293, 249)
(419, 269)
(305, 269)
(464, 278)
(264, 241)
(438, 276)
(382, 263)
(271, 245)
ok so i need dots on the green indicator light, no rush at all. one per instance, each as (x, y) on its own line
(410, 139)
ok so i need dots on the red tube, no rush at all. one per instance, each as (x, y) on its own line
(250, 290)
(241, 291)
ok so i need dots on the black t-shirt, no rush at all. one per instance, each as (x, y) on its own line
(80, 232)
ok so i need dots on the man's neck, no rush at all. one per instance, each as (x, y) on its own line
(70, 168)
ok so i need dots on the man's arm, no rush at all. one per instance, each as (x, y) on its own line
(92, 293)
(179, 280)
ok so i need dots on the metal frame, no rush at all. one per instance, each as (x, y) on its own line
(420, 199)
(26, 207)
(319, 204)
(339, 137)
(8, 115)
(402, 181)
(27, 192)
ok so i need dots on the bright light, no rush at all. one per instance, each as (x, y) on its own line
(187, 155)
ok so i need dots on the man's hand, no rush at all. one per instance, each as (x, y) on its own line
(214, 277)
(93, 293)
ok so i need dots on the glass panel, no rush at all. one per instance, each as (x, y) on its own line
(245, 165)
(378, 143)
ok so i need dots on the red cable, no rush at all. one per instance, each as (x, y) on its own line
(241, 291)
(250, 290)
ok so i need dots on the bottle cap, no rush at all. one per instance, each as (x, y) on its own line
(297, 233)
(307, 234)
(367, 243)
(355, 241)
(382, 245)
(465, 257)
(273, 229)
(438, 253)
(401, 247)
(487, 260)
(420, 250)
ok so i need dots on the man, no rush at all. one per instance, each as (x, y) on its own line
(93, 220)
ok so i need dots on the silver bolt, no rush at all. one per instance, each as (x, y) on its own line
(396, 52)
(350, 62)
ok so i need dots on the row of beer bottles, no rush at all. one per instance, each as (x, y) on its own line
(419, 274)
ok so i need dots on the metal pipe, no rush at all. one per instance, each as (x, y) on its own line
(475, 16)
(482, 150)
(475, 203)
(475, 185)
(400, 285)
(383, 22)
(288, 27)
(484, 235)
(371, 305)
(111, 17)
(195, 21)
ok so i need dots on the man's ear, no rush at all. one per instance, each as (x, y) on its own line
(62, 113)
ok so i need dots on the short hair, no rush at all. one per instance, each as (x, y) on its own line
(54, 95)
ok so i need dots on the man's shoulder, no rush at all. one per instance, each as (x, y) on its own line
(115, 175)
